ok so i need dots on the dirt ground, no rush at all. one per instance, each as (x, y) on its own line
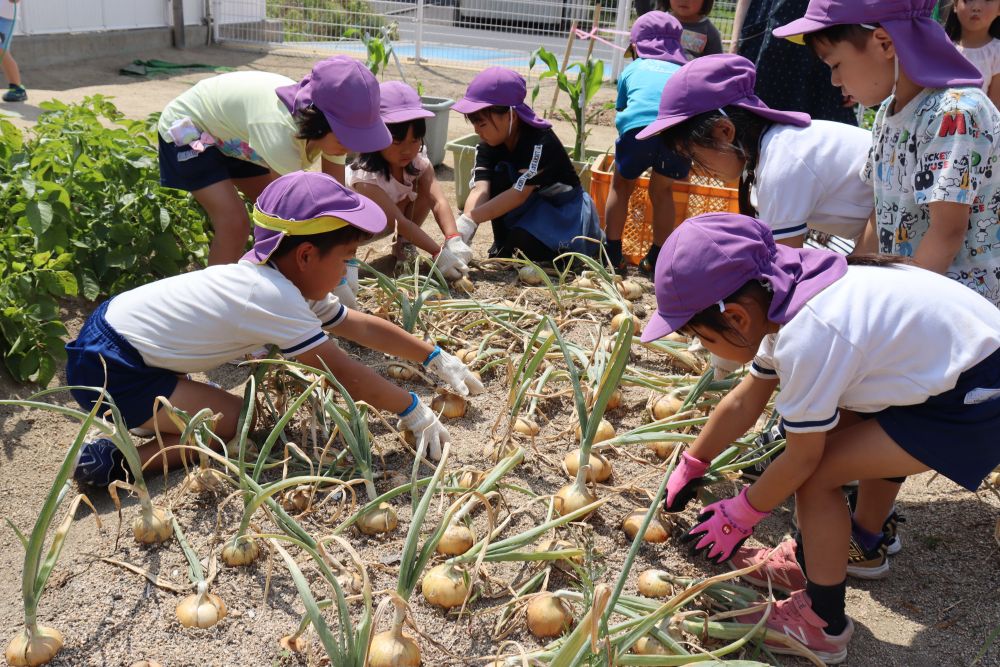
(939, 605)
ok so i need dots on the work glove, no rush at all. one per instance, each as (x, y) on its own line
(724, 526)
(453, 373)
(430, 433)
(344, 292)
(352, 275)
(451, 267)
(467, 228)
(722, 368)
(459, 247)
(684, 482)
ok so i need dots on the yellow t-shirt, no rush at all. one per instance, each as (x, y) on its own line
(248, 121)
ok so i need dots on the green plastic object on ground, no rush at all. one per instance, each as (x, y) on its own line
(152, 67)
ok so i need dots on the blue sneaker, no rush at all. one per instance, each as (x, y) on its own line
(100, 463)
(15, 94)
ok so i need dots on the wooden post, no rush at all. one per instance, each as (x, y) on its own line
(565, 62)
(594, 27)
(179, 41)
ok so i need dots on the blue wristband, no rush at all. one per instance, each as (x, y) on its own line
(413, 405)
(434, 353)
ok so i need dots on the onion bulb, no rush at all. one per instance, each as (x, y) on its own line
(605, 431)
(993, 479)
(665, 406)
(616, 322)
(629, 289)
(36, 648)
(409, 438)
(584, 282)
(656, 531)
(572, 497)
(393, 649)
(401, 372)
(650, 646)
(153, 529)
(296, 499)
(526, 426)
(457, 539)
(240, 551)
(382, 519)
(662, 449)
(600, 467)
(463, 284)
(677, 337)
(530, 275)
(467, 356)
(201, 609)
(450, 406)
(655, 584)
(293, 643)
(548, 616)
(203, 480)
(615, 400)
(445, 586)
(470, 479)
(146, 663)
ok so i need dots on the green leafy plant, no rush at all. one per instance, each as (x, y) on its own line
(378, 49)
(309, 20)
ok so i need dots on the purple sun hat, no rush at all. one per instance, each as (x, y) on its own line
(657, 35)
(348, 95)
(709, 83)
(925, 52)
(499, 86)
(308, 202)
(711, 256)
(400, 103)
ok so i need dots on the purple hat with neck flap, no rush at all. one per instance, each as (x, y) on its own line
(657, 35)
(925, 52)
(711, 256)
(499, 86)
(710, 83)
(348, 95)
(400, 103)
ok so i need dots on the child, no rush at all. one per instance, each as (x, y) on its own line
(523, 181)
(400, 179)
(838, 335)
(701, 37)
(794, 174)
(15, 91)
(307, 225)
(235, 133)
(655, 44)
(974, 27)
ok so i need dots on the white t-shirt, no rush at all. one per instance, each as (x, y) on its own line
(986, 58)
(808, 177)
(877, 337)
(243, 113)
(198, 321)
(401, 193)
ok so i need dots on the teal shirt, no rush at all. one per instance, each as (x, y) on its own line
(639, 88)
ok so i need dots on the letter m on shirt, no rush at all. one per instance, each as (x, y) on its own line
(953, 122)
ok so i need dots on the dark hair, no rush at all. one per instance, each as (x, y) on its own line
(856, 34)
(312, 123)
(954, 28)
(760, 293)
(706, 6)
(325, 241)
(495, 110)
(697, 131)
(374, 161)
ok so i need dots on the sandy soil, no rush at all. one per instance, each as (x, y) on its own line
(938, 607)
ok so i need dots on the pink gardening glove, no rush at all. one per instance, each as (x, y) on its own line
(724, 526)
(684, 482)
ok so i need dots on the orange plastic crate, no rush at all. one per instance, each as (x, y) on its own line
(700, 194)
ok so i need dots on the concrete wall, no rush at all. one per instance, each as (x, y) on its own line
(40, 17)
(55, 49)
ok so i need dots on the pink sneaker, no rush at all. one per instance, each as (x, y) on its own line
(795, 618)
(781, 569)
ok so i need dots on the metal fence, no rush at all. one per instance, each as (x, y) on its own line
(471, 34)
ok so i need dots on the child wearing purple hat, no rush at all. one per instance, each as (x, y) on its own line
(234, 133)
(400, 179)
(837, 335)
(523, 181)
(655, 44)
(306, 227)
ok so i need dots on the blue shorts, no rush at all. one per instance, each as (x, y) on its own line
(132, 384)
(634, 156)
(183, 169)
(6, 33)
(944, 433)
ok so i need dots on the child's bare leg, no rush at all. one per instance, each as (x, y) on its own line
(616, 208)
(661, 194)
(230, 221)
(10, 69)
(875, 499)
(191, 397)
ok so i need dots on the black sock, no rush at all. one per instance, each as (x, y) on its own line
(828, 603)
(614, 250)
(653, 255)
(800, 554)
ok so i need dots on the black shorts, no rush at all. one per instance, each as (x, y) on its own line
(184, 169)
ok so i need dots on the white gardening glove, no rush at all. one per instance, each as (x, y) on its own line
(450, 266)
(467, 228)
(453, 373)
(352, 275)
(460, 248)
(344, 292)
(430, 433)
(721, 368)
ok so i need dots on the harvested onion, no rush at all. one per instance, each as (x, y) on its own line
(605, 431)
(572, 497)
(296, 499)
(238, 552)
(466, 356)
(585, 282)
(665, 406)
(530, 275)
(457, 539)
(146, 663)
(393, 649)
(463, 284)
(629, 289)
(293, 643)
(401, 372)
(450, 406)
(382, 519)
(548, 616)
(470, 479)
(600, 467)
(445, 586)
(37, 648)
(663, 450)
(616, 322)
(526, 426)
(655, 584)
(650, 646)
(656, 531)
(203, 480)
(201, 609)
(153, 529)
